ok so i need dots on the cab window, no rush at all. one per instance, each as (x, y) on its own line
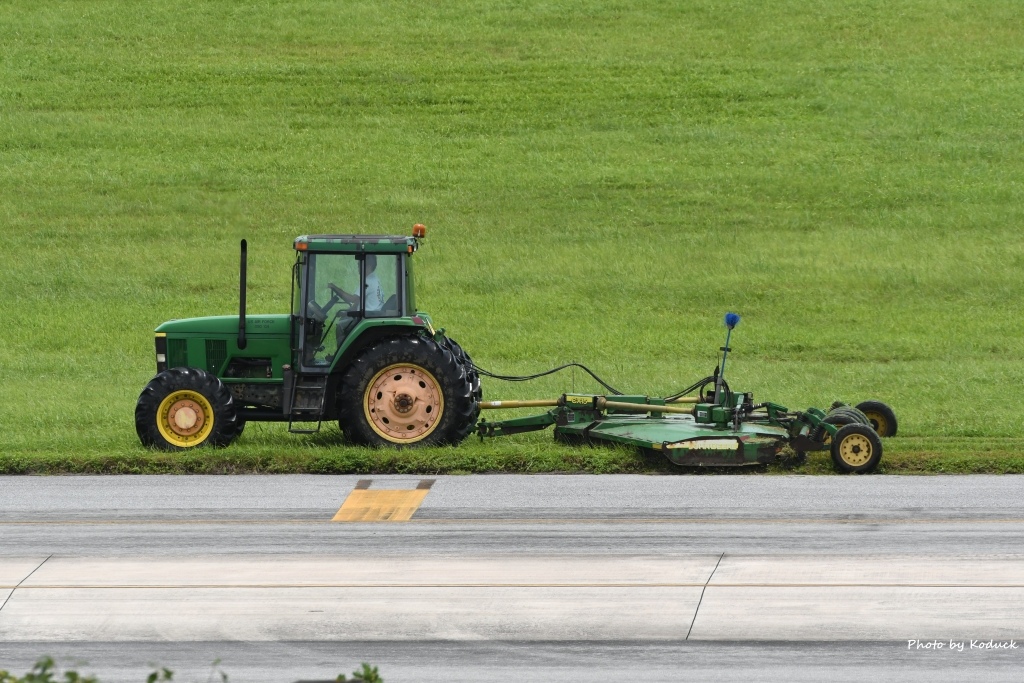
(382, 285)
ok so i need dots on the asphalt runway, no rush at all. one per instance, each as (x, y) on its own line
(526, 578)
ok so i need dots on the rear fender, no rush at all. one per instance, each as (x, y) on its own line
(366, 334)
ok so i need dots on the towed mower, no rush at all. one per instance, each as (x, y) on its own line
(717, 426)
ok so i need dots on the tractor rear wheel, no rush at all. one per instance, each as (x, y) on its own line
(856, 449)
(406, 391)
(881, 417)
(463, 358)
(182, 408)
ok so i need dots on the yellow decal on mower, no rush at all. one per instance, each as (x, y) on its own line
(707, 444)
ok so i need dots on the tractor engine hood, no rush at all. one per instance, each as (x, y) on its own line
(227, 325)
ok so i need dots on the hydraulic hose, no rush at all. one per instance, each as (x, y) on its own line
(674, 398)
(526, 378)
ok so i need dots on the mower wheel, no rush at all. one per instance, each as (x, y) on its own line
(838, 418)
(856, 449)
(406, 391)
(881, 417)
(182, 408)
(858, 416)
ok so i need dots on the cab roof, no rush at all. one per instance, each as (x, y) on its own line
(357, 244)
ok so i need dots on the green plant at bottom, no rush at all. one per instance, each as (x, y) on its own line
(43, 672)
(367, 674)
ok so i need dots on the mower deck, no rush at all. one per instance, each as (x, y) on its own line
(676, 435)
(681, 439)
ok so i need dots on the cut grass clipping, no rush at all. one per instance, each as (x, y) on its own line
(601, 181)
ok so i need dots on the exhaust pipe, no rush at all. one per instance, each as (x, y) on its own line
(241, 299)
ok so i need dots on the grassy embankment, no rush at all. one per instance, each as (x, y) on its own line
(601, 180)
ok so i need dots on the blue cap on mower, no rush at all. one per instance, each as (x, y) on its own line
(731, 321)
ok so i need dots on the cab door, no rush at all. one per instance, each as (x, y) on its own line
(330, 306)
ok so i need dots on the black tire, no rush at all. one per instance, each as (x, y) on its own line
(859, 415)
(856, 449)
(198, 397)
(854, 413)
(442, 378)
(839, 418)
(880, 416)
(463, 358)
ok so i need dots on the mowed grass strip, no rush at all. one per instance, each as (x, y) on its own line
(261, 453)
(601, 182)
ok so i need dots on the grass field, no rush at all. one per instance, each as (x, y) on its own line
(601, 180)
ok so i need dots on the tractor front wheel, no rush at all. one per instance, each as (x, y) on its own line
(856, 449)
(406, 391)
(182, 408)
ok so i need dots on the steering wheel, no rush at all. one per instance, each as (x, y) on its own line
(315, 312)
(320, 313)
(338, 291)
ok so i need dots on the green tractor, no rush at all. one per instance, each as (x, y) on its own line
(353, 349)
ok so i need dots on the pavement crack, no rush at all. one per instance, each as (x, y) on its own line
(694, 621)
(11, 594)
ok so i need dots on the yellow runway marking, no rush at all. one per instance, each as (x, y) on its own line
(364, 505)
(380, 506)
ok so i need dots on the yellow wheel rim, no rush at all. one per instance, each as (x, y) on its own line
(826, 438)
(185, 418)
(878, 422)
(403, 403)
(855, 450)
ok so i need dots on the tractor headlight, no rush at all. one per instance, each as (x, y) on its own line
(161, 352)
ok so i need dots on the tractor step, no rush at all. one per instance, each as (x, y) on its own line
(307, 403)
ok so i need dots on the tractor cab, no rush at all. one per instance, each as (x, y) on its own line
(343, 285)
